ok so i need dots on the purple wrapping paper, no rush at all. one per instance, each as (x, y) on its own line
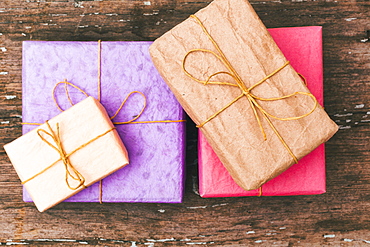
(156, 150)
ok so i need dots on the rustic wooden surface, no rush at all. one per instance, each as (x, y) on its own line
(339, 217)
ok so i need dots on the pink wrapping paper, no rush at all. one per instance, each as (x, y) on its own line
(302, 46)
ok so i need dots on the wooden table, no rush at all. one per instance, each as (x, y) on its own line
(339, 217)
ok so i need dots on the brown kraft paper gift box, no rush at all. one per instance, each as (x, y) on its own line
(235, 133)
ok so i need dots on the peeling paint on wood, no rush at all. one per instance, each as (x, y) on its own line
(260, 221)
(10, 96)
(329, 236)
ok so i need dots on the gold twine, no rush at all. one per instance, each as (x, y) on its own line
(245, 91)
(64, 156)
(71, 171)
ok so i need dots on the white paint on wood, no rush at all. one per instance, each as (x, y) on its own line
(58, 14)
(343, 115)
(329, 236)
(78, 4)
(161, 240)
(118, 241)
(219, 205)
(196, 207)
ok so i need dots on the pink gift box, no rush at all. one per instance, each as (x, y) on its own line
(302, 46)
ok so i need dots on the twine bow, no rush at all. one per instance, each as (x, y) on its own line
(245, 91)
(71, 171)
(133, 120)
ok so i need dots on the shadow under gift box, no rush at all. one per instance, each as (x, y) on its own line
(36, 155)
(156, 150)
(235, 134)
(302, 46)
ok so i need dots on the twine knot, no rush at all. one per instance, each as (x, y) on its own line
(71, 172)
(245, 92)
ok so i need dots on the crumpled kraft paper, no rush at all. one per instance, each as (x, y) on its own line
(308, 176)
(235, 134)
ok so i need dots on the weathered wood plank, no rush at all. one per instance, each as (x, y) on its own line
(338, 217)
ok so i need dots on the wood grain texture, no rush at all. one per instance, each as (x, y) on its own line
(339, 217)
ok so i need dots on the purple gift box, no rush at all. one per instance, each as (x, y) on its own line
(156, 150)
